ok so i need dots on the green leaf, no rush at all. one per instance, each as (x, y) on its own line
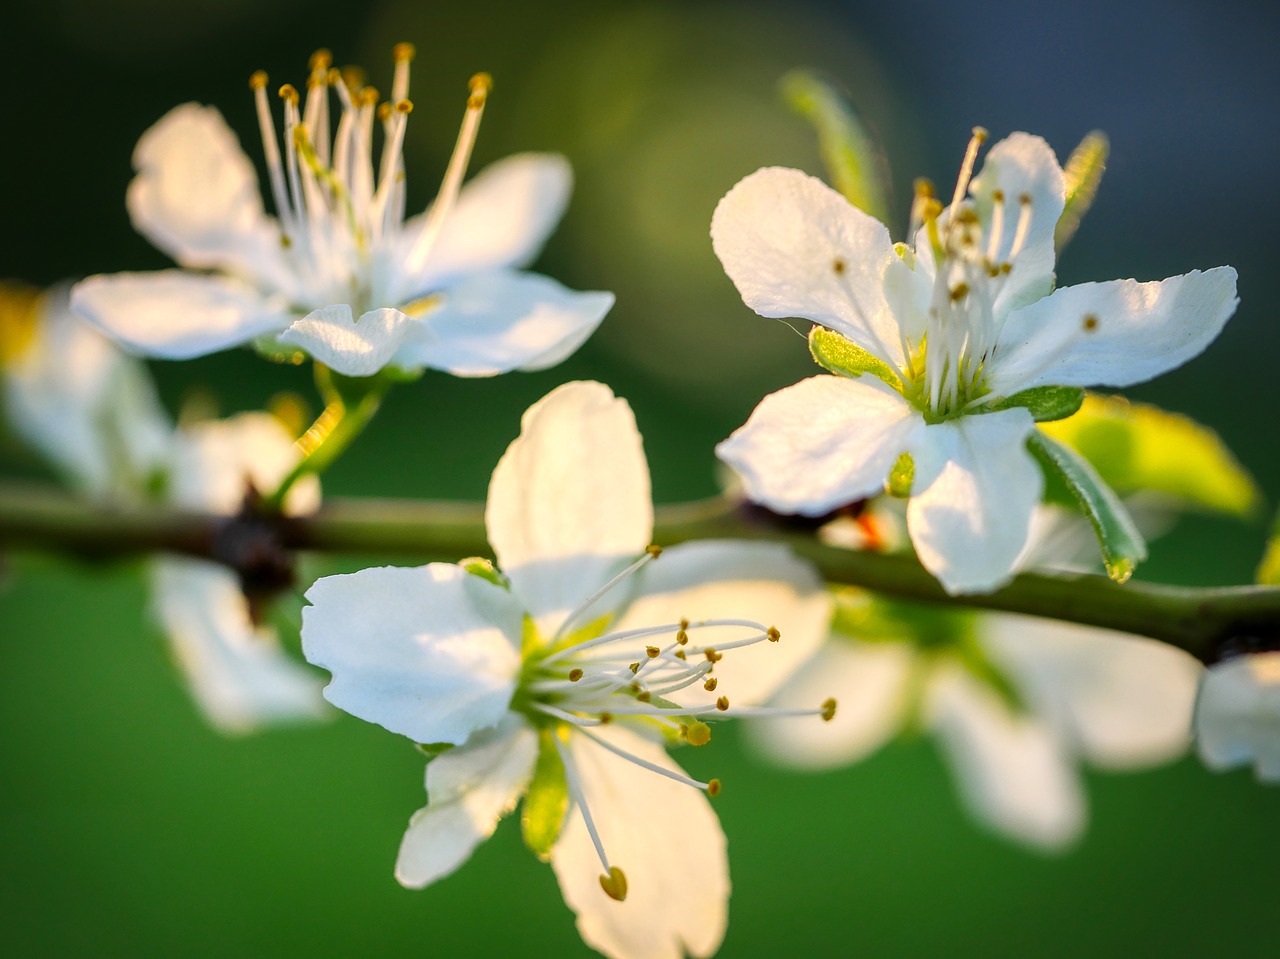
(1123, 547)
(854, 161)
(843, 357)
(1082, 174)
(1139, 447)
(1045, 403)
(547, 800)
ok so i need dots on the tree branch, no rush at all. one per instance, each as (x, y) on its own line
(1198, 620)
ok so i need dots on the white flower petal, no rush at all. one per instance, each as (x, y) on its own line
(500, 321)
(974, 491)
(569, 503)
(237, 672)
(332, 337)
(430, 652)
(469, 789)
(196, 196)
(501, 219)
(715, 579)
(869, 682)
(664, 836)
(84, 405)
(175, 315)
(1121, 701)
(821, 443)
(1237, 718)
(214, 463)
(795, 247)
(1010, 769)
(1023, 165)
(1112, 334)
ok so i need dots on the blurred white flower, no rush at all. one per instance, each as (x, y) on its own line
(76, 399)
(558, 679)
(1015, 703)
(339, 272)
(953, 331)
(235, 668)
(1238, 715)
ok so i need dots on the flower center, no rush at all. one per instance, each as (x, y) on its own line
(341, 214)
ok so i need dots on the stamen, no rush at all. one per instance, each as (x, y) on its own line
(645, 764)
(615, 884)
(647, 557)
(1021, 231)
(481, 84)
(772, 634)
(403, 54)
(271, 150)
(711, 684)
(966, 166)
(574, 783)
(996, 228)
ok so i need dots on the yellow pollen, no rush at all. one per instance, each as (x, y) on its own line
(711, 684)
(614, 884)
(698, 733)
(713, 788)
(923, 188)
(367, 97)
(384, 112)
(712, 655)
(652, 651)
(1090, 323)
(682, 637)
(334, 76)
(258, 80)
(828, 710)
(320, 61)
(403, 52)
(654, 550)
(680, 654)
(634, 667)
(404, 106)
(772, 634)
(289, 92)
(575, 674)
(480, 85)
(722, 703)
(684, 623)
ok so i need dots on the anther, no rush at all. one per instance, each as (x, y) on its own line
(320, 61)
(923, 188)
(684, 623)
(403, 52)
(837, 266)
(289, 93)
(1090, 323)
(682, 637)
(711, 684)
(367, 97)
(959, 292)
(643, 696)
(614, 884)
(828, 710)
(723, 703)
(680, 654)
(634, 667)
(258, 80)
(698, 733)
(404, 106)
(772, 634)
(384, 112)
(997, 196)
(607, 718)
(575, 674)
(655, 551)
(713, 788)
(652, 652)
(712, 655)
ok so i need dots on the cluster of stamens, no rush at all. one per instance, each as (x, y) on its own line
(625, 676)
(337, 209)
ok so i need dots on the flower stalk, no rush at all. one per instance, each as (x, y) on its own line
(1198, 620)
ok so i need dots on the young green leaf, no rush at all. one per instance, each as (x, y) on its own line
(547, 800)
(843, 357)
(1082, 174)
(1123, 547)
(1139, 447)
(1045, 403)
(855, 163)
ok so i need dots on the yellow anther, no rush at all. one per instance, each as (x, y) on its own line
(19, 319)
(367, 97)
(652, 652)
(404, 106)
(980, 134)
(334, 77)
(643, 696)
(684, 623)
(635, 687)
(997, 196)
(575, 674)
(1006, 267)
(606, 719)
(634, 667)
(403, 52)
(614, 884)
(680, 654)
(258, 80)
(480, 85)
(1090, 323)
(698, 733)
(828, 710)
(290, 93)
(384, 112)
(837, 267)
(772, 634)
(713, 788)
(682, 637)
(722, 703)
(712, 655)
(654, 550)
(320, 61)
(959, 292)
(923, 188)
(353, 77)
(711, 684)
(1025, 199)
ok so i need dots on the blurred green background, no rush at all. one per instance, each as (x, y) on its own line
(128, 828)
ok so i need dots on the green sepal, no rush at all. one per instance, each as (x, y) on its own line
(479, 566)
(1137, 447)
(432, 750)
(901, 477)
(854, 161)
(547, 799)
(1045, 403)
(843, 357)
(1123, 547)
(1081, 177)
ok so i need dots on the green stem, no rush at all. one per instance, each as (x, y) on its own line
(1194, 619)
